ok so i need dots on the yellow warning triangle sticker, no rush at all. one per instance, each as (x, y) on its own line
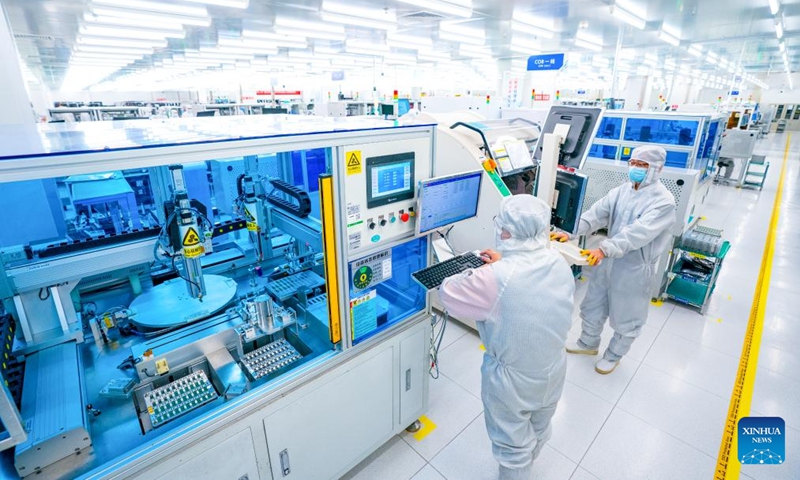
(249, 216)
(191, 238)
(354, 161)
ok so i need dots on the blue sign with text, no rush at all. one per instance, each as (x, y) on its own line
(551, 61)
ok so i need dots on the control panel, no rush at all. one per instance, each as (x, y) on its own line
(381, 191)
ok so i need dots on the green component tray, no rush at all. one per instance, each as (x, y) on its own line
(687, 292)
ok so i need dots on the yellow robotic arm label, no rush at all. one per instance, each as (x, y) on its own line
(353, 159)
(251, 220)
(192, 252)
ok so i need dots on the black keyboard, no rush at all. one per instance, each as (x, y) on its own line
(434, 275)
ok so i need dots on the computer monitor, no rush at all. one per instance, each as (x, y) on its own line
(387, 109)
(583, 123)
(403, 106)
(443, 201)
(568, 202)
(207, 113)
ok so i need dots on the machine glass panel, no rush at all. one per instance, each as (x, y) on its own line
(382, 291)
(675, 159)
(610, 128)
(661, 130)
(608, 152)
(170, 290)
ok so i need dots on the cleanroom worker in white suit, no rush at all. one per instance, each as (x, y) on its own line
(522, 304)
(639, 216)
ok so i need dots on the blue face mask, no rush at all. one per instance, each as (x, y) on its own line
(637, 174)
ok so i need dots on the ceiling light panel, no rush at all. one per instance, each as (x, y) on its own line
(120, 42)
(147, 6)
(669, 38)
(628, 17)
(107, 11)
(92, 19)
(134, 33)
(224, 3)
(105, 49)
(774, 6)
(457, 8)
(357, 21)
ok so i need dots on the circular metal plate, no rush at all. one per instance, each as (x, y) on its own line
(169, 304)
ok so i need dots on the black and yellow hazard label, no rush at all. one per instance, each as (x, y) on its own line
(251, 220)
(191, 238)
(353, 159)
(192, 252)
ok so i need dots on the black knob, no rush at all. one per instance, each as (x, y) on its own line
(383, 222)
(372, 225)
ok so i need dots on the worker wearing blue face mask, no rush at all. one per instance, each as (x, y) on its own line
(639, 216)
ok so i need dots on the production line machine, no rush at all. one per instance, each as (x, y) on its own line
(515, 156)
(230, 298)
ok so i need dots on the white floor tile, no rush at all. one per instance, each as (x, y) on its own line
(582, 474)
(428, 473)
(453, 332)
(469, 456)
(577, 421)
(461, 362)
(395, 460)
(629, 448)
(657, 316)
(777, 396)
(725, 334)
(580, 371)
(680, 409)
(451, 409)
(699, 365)
(784, 362)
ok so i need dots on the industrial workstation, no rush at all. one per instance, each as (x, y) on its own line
(399, 239)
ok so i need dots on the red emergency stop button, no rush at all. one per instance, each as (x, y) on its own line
(404, 217)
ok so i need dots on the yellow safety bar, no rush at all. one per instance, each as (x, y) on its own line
(329, 247)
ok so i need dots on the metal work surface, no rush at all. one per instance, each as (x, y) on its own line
(286, 287)
(169, 304)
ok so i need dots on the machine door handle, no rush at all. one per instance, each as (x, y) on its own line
(285, 468)
(408, 379)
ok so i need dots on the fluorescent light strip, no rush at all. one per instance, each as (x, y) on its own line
(586, 37)
(361, 45)
(588, 45)
(358, 21)
(224, 3)
(457, 8)
(523, 49)
(92, 19)
(318, 34)
(120, 42)
(246, 34)
(672, 40)
(380, 15)
(779, 29)
(105, 11)
(103, 49)
(253, 43)
(695, 51)
(774, 6)
(291, 23)
(531, 29)
(116, 32)
(452, 37)
(628, 17)
(460, 29)
(782, 47)
(155, 7)
(410, 40)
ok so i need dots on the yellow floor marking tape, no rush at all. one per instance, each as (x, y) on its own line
(483, 349)
(427, 427)
(728, 465)
(657, 303)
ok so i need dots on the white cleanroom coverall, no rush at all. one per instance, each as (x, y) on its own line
(639, 224)
(522, 305)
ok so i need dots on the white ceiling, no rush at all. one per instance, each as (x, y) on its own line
(741, 31)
